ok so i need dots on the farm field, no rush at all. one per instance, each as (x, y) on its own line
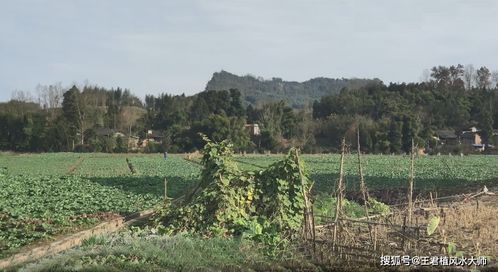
(44, 195)
(444, 174)
(53, 164)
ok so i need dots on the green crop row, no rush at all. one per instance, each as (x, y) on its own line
(33, 208)
(179, 174)
(48, 164)
(103, 165)
(385, 171)
(46, 194)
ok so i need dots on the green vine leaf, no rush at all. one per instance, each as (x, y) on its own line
(432, 225)
(451, 248)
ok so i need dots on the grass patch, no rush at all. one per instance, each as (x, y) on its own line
(146, 251)
(324, 208)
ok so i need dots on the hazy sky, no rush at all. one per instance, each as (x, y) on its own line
(175, 46)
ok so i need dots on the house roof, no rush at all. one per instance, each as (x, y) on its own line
(107, 132)
(104, 132)
(155, 134)
(468, 135)
(446, 134)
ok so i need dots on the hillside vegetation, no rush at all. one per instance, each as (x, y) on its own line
(257, 91)
(452, 100)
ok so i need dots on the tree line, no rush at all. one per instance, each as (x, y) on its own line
(388, 116)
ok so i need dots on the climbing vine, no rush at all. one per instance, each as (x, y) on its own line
(280, 192)
(229, 201)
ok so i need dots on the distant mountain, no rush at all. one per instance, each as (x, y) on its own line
(298, 94)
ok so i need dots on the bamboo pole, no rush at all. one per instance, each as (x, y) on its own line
(308, 221)
(314, 229)
(410, 184)
(339, 192)
(165, 190)
(363, 186)
(408, 218)
(369, 223)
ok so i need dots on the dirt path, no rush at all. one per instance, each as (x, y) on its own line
(63, 243)
(131, 167)
(75, 166)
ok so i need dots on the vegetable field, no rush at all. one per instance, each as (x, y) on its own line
(432, 173)
(43, 195)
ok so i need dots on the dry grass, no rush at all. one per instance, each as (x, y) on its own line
(472, 225)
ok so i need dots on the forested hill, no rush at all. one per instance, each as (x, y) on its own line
(256, 91)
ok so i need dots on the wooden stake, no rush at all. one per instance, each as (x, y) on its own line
(339, 192)
(375, 238)
(410, 184)
(165, 189)
(313, 225)
(308, 220)
(403, 229)
(363, 186)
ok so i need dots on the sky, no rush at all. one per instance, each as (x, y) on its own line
(157, 46)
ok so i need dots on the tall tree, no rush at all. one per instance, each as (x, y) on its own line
(483, 78)
(486, 124)
(469, 76)
(396, 135)
(74, 114)
(410, 132)
(236, 108)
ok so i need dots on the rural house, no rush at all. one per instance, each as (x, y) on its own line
(152, 136)
(446, 137)
(471, 137)
(252, 129)
(468, 138)
(155, 136)
(107, 132)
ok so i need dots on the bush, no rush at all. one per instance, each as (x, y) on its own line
(86, 148)
(104, 144)
(121, 146)
(153, 147)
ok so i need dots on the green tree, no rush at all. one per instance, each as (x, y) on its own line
(73, 111)
(410, 132)
(483, 78)
(236, 108)
(121, 145)
(486, 124)
(279, 119)
(219, 127)
(395, 135)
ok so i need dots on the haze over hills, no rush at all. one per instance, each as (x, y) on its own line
(255, 90)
